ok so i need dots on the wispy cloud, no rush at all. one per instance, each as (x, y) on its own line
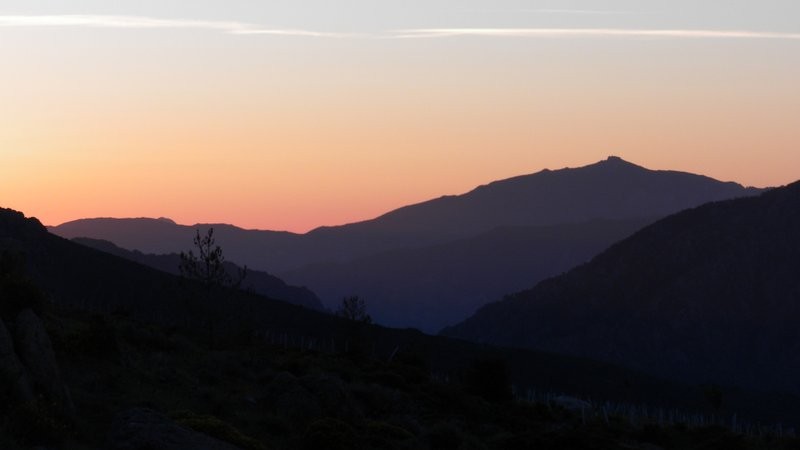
(141, 22)
(593, 32)
(581, 12)
(578, 11)
(243, 28)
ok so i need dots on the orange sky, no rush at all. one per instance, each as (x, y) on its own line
(296, 132)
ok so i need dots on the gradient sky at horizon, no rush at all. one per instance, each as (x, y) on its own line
(295, 114)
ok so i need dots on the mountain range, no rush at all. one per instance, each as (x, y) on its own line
(434, 263)
(710, 293)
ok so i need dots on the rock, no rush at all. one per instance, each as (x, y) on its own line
(12, 372)
(332, 396)
(286, 396)
(145, 429)
(572, 403)
(36, 353)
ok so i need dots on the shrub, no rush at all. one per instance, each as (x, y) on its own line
(489, 379)
(97, 339)
(445, 436)
(386, 436)
(386, 431)
(389, 379)
(217, 428)
(330, 434)
(37, 424)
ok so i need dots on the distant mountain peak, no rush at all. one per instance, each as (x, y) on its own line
(616, 161)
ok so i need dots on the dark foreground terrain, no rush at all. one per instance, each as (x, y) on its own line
(136, 386)
(97, 352)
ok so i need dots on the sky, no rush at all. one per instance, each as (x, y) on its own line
(290, 115)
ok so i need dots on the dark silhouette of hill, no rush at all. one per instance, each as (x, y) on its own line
(708, 294)
(77, 276)
(612, 189)
(128, 335)
(609, 189)
(257, 281)
(431, 287)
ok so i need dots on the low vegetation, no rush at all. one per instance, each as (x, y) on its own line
(258, 396)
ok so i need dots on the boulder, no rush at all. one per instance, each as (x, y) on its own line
(287, 397)
(332, 396)
(36, 352)
(145, 429)
(12, 372)
(572, 403)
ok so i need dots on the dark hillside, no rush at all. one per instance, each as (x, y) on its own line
(256, 281)
(709, 294)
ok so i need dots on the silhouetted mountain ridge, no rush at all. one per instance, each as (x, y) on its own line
(612, 189)
(382, 259)
(708, 294)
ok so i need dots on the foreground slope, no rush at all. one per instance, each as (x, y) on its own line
(138, 386)
(708, 294)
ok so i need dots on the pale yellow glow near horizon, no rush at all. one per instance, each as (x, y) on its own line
(276, 134)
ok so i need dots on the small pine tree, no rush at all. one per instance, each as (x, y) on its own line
(208, 265)
(354, 308)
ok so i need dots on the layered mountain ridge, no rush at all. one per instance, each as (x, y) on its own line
(464, 242)
(710, 293)
(609, 189)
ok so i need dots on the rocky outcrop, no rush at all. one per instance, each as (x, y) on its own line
(286, 395)
(572, 403)
(12, 372)
(332, 395)
(36, 353)
(145, 429)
